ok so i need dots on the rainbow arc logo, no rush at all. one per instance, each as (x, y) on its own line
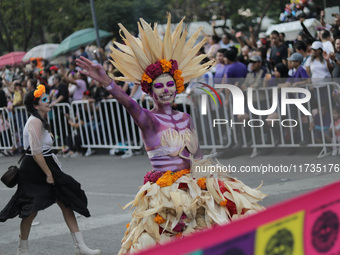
(209, 93)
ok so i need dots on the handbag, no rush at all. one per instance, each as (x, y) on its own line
(10, 177)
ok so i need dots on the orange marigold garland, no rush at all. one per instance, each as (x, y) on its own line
(156, 69)
(128, 225)
(159, 219)
(224, 203)
(201, 182)
(146, 78)
(170, 177)
(39, 91)
(179, 81)
(179, 235)
(166, 65)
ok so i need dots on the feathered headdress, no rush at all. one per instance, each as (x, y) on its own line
(142, 59)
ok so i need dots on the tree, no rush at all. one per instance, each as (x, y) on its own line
(27, 23)
(128, 12)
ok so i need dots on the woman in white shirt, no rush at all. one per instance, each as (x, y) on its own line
(318, 66)
(319, 69)
(41, 182)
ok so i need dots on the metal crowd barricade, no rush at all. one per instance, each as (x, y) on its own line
(17, 119)
(105, 124)
(60, 127)
(267, 136)
(7, 135)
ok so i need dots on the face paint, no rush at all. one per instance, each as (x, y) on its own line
(44, 99)
(164, 89)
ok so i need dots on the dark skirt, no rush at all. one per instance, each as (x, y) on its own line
(34, 193)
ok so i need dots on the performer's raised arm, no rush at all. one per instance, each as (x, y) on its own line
(98, 73)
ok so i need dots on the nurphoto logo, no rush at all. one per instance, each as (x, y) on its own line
(238, 104)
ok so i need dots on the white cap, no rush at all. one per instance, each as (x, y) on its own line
(317, 45)
(262, 35)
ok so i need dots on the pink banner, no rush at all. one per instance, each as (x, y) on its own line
(308, 224)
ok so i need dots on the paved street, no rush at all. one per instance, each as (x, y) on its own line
(112, 181)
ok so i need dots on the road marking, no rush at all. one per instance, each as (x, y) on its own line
(49, 230)
(299, 185)
(92, 193)
(110, 194)
(44, 230)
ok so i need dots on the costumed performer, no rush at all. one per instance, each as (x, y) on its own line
(171, 202)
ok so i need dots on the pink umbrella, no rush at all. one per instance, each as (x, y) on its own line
(12, 58)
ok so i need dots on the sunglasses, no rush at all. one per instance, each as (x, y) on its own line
(44, 99)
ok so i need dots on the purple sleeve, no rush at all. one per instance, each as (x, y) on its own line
(303, 73)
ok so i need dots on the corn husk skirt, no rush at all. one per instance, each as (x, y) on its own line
(165, 213)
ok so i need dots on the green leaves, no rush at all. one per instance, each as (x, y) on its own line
(27, 23)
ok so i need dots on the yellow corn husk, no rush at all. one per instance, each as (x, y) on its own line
(146, 45)
(177, 198)
(191, 42)
(192, 65)
(167, 40)
(125, 60)
(148, 212)
(145, 241)
(152, 40)
(118, 66)
(124, 48)
(177, 33)
(178, 49)
(213, 191)
(160, 42)
(190, 55)
(142, 60)
(152, 228)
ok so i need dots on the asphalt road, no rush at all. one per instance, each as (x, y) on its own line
(110, 181)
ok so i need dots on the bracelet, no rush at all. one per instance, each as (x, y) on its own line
(111, 85)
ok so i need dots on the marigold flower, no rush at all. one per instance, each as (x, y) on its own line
(179, 235)
(166, 65)
(170, 177)
(177, 74)
(159, 219)
(128, 225)
(180, 89)
(224, 203)
(201, 182)
(146, 78)
(39, 91)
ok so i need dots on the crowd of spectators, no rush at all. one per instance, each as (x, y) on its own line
(64, 84)
(256, 60)
(260, 61)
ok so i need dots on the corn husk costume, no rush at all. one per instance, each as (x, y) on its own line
(173, 205)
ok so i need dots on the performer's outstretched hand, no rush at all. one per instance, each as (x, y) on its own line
(95, 71)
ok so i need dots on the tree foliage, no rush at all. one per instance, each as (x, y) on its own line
(26, 23)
